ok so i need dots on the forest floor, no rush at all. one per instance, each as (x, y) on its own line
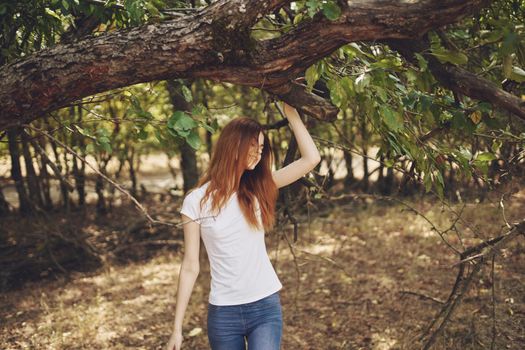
(361, 278)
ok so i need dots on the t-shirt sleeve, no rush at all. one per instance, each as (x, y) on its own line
(190, 206)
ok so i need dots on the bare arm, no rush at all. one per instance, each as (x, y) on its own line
(310, 156)
(189, 269)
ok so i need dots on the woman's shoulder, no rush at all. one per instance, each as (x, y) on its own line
(197, 191)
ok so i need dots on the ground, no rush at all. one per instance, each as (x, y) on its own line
(360, 280)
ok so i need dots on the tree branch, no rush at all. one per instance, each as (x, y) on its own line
(459, 79)
(212, 43)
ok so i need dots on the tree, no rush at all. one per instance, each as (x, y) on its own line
(214, 43)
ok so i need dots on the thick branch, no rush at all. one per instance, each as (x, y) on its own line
(460, 80)
(215, 44)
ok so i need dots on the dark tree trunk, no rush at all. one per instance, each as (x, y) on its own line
(44, 175)
(33, 182)
(364, 149)
(188, 155)
(349, 135)
(132, 173)
(380, 175)
(101, 199)
(389, 181)
(16, 172)
(350, 178)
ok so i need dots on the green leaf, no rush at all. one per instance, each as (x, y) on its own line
(187, 93)
(507, 66)
(198, 110)
(337, 93)
(347, 85)
(103, 139)
(312, 7)
(90, 148)
(103, 132)
(106, 147)
(193, 139)
(482, 166)
(208, 127)
(331, 11)
(454, 57)
(386, 63)
(465, 153)
(485, 157)
(181, 121)
(83, 131)
(311, 76)
(297, 18)
(393, 120)
(361, 82)
(517, 74)
(381, 93)
(423, 64)
(509, 42)
(496, 145)
(353, 49)
(50, 13)
(142, 134)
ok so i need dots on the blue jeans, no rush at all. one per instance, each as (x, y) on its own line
(259, 323)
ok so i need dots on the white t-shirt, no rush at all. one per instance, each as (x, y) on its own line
(241, 271)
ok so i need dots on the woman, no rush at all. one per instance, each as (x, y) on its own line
(231, 207)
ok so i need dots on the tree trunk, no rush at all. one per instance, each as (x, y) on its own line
(44, 175)
(188, 155)
(364, 149)
(132, 173)
(101, 199)
(32, 179)
(25, 206)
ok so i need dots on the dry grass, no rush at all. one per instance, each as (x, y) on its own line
(346, 294)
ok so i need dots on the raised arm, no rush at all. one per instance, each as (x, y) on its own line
(310, 156)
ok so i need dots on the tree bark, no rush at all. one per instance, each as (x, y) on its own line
(213, 43)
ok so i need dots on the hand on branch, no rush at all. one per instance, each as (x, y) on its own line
(290, 112)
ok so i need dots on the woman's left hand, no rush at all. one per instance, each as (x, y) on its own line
(289, 111)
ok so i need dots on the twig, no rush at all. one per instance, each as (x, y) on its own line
(117, 186)
(503, 210)
(462, 283)
(422, 296)
(330, 260)
(492, 246)
(433, 226)
(52, 165)
(452, 304)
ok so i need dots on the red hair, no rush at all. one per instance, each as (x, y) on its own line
(227, 173)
